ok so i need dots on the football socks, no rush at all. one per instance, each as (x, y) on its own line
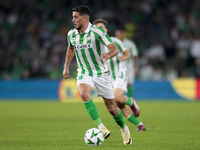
(133, 119)
(92, 111)
(130, 91)
(129, 101)
(119, 119)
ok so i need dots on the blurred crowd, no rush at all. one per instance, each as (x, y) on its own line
(33, 36)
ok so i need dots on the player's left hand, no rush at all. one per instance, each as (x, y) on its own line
(104, 57)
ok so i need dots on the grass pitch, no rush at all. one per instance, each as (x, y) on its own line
(50, 125)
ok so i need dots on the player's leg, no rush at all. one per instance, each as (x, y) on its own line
(85, 86)
(130, 81)
(123, 99)
(118, 117)
(127, 113)
(133, 105)
(130, 90)
(119, 90)
(85, 92)
(119, 95)
(104, 87)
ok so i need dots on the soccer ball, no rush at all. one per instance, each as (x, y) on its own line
(94, 137)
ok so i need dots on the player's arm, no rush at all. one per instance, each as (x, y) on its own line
(135, 58)
(126, 55)
(69, 56)
(106, 40)
(136, 64)
(113, 52)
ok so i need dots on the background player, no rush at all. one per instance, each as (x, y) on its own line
(119, 75)
(132, 62)
(87, 42)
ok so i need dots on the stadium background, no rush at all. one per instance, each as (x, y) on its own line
(166, 32)
(32, 51)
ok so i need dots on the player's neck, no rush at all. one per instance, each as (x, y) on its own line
(123, 39)
(83, 28)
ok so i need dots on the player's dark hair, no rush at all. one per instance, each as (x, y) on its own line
(101, 21)
(121, 28)
(82, 10)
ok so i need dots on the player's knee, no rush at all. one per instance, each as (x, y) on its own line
(85, 96)
(111, 106)
(111, 111)
(117, 99)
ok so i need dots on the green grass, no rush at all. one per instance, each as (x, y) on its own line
(49, 125)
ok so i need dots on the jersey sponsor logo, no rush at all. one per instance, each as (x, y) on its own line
(83, 46)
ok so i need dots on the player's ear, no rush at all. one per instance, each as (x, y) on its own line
(106, 30)
(86, 18)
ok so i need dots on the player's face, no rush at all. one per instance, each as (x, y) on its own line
(77, 20)
(119, 34)
(101, 25)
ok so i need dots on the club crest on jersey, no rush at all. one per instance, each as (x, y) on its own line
(83, 46)
(88, 37)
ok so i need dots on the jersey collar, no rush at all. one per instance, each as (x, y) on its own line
(87, 30)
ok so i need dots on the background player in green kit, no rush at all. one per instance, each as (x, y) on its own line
(132, 62)
(119, 75)
(88, 43)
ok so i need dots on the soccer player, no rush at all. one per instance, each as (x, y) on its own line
(119, 75)
(132, 62)
(88, 42)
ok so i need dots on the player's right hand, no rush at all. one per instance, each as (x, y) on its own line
(66, 73)
(104, 57)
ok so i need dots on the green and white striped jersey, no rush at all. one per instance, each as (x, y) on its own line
(88, 49)
(117, 67)
(131, 47)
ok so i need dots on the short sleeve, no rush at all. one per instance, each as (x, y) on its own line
(134, 49)
(68, 40)
(102, 36)
(119, 44)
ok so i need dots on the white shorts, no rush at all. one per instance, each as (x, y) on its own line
(103, 84)
(120, 83)
(130, 77)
